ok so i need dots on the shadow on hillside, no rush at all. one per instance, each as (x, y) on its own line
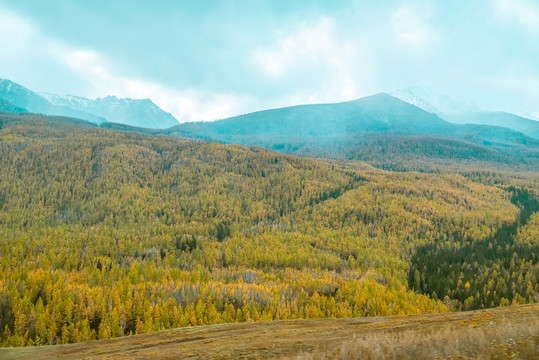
(478, 274)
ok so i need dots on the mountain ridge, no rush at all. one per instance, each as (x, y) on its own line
(134, 112)
(372, 112)
(127, 111)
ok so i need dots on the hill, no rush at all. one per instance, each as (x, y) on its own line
(373, 114)
(494, 334)
(378, 129)
(105, 233)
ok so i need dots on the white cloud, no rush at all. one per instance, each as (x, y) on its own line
(16, 34)
(410, 26)
(191, 104)
(314, 53)
(524, 12)
(185, 105)
(306, 44)
(22, 41)
(85, 60)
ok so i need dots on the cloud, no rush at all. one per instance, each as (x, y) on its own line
(89, 73)
(306, 44)
(184, 104)
(410, 26)
(345, 56)
(524, 12)
(221, 62)
(21, 40)
(16, 34)
(313, 61)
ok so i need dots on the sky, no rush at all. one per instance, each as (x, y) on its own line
(207, 60)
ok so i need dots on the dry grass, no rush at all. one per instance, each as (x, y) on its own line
(467, 340)
(465, 335)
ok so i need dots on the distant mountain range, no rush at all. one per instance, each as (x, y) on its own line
(381, 129)
(141, 113)
(459, 112)
(15, 98)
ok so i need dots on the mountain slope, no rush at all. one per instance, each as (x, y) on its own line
(367, 129)
(459, 112)
(8, 108)
(373, 114)
(499, 118)
(141, 113)
(21, 97)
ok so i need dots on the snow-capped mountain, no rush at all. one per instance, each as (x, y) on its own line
(21, 97)
(432, 101)
(141, 113)
(460, 112)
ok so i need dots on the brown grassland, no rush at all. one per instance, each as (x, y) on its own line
(501, 333)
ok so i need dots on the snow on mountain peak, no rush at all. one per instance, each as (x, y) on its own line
(432, 101)
(135, 112)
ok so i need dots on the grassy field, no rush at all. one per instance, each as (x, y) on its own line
(501, 333)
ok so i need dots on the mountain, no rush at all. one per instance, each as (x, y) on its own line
(380, 129)
(320, 123)
(372, 114)
(459, 112)
(141, 113)
(21, 97)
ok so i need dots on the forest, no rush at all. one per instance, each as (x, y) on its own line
(106, 233)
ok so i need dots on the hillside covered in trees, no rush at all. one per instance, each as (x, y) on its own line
(105, 233)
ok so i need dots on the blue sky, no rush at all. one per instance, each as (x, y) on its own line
(204, 60)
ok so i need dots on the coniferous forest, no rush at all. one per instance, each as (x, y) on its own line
(105, 233)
